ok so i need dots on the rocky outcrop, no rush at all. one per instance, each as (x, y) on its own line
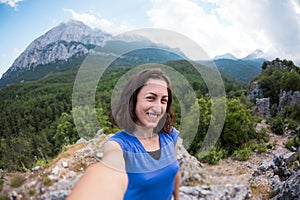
(275, 63)
(288, 98)
(255, 91)
(284, 181)
(262, 107)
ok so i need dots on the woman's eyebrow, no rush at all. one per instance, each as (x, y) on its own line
(154, 94)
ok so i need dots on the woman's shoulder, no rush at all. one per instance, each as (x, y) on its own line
(172, 136)
(174, 133)
(122, 138)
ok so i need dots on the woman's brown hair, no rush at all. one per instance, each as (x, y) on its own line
(123, 109)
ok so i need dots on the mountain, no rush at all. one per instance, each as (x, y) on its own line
(257, 54)
(225, 56)
(60, 43)
(243, 69)
(51, 52)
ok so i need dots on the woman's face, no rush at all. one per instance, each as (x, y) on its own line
(151, 103)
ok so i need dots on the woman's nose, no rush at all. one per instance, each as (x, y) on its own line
(157, 108)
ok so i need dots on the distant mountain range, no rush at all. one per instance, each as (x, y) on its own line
(243, 69)
(52, 51)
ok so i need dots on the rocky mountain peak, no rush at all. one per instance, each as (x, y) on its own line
(59, 37)
(255, 55)
(73, 31)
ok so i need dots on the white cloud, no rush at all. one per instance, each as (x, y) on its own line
(233, 26)
(100, 23)
(190, 19)
(276, 21)
(12, 3)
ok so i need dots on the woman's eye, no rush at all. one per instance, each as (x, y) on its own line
(150, 98)
(164, 100)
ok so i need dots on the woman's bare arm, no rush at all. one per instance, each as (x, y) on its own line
(177, 179)
(176, 186)
(106, 180)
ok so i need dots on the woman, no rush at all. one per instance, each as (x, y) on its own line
(139, 162)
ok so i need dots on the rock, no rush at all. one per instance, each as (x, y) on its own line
(81, 140)
(262, 107)
(255, 91)
(55, 170)
(65, 164)
(289, 157)
(297, 164)
(99, 155)
(36, 168)
(288, 98)
(15, 196)
(190, 167)
(280, 167)
(290, 189)
(234, 191)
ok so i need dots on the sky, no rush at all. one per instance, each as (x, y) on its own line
(238, 27)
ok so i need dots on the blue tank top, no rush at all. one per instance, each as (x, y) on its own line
(149, 178)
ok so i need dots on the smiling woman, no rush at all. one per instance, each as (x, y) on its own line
(140, 161)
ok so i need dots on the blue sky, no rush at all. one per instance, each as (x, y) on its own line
(218, 26)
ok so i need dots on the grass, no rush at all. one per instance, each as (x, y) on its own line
(70, 150)
(17, 181)
(1, 184)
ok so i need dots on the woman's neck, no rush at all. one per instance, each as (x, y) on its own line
(143, 132)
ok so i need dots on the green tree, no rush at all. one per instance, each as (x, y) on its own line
(239, 126)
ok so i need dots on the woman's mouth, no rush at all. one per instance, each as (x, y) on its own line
(153, 115)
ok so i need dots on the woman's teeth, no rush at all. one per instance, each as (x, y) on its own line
(152, 115)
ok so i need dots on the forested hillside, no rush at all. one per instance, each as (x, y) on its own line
(36, 117)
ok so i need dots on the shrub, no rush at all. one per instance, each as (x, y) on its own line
(277, 125)
(292, 125)
(239, 126)
(293, 142)
(242, 154)
(31, 193)
(262, 148)
(214, 156)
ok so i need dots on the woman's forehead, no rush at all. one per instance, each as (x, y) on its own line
(157, 82)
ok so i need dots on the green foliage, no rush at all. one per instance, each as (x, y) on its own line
(31, 193)
(262, 148)
(277, 125)
(214, 155)
(295, 142)
(3, 197)
(242, 154)
(204, 120)
(292, 124)
(239, 126)
(290, 81)
(65, 131)
(1, 184)
(29, 113)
